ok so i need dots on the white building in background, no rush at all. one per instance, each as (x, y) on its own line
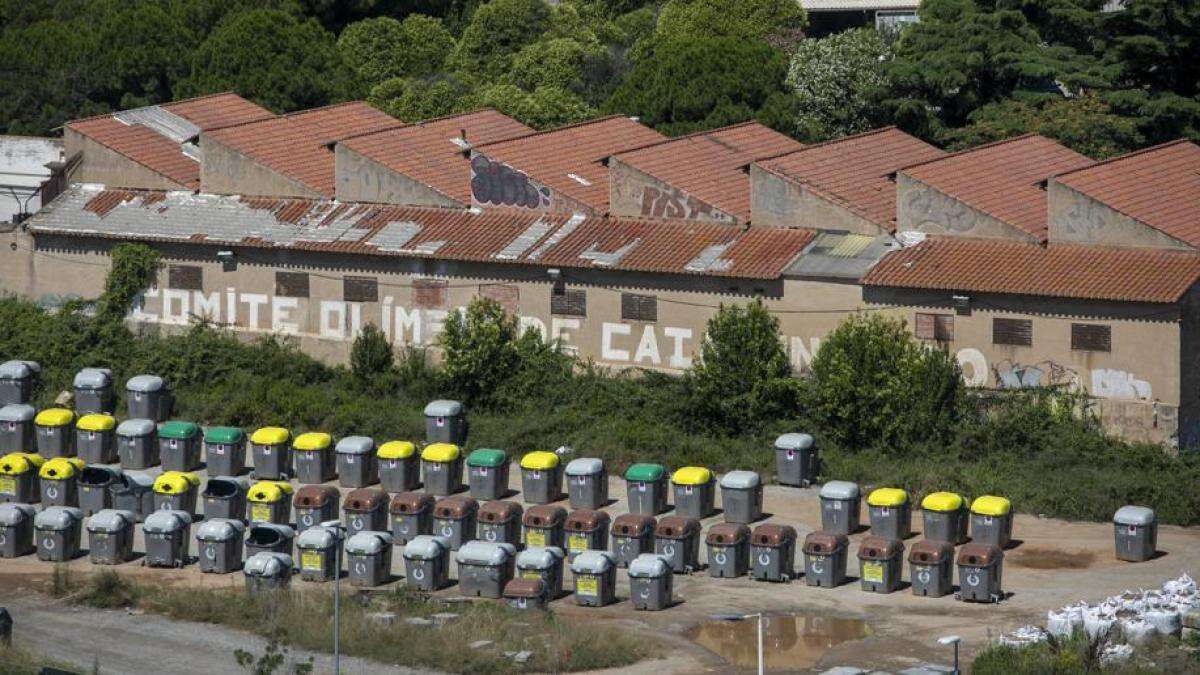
(834, 16)
(24, 166)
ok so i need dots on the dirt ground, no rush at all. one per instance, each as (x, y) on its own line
(1053, 563)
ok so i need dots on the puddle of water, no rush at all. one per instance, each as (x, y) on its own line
(1039, 558)
(789, 642)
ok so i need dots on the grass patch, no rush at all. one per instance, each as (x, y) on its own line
(17, 661)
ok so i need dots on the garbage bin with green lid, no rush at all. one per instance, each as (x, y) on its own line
(587, 483)
(59, 481)
(269, 501)
(881, 563)
(931, 568)
(137, 444)
(427, 563)
(96, 438)
(55, 433)
(454, 519)
(945, 517)
(94, 391)
(840, 506)
(543, 525)
(16, 428)
(269, 537)
(357, 465)
(677, 539)
(225, 497)
(485, 568)
(499, 522)
(366, 509)
(825, 559)
(399, 466)
(742, 496)
(445, 422)
(541, 477)
(773, 552)
(544, 563)
(179, 445)
(979, 570)
(412, 516)
(16, 530)
(16, 381)
(133, 492)
(19, 477)
(57, 531)
(148, 398)
(167, 533)
(890, 513)
(586, 530)
(632, 535)
(646, 488)
(95, 488)
(176, 490)
(525, 594)
(225, 451)
(695, 491)
(313, 457)
(110, 537)
(650, 582)
(369, 558)
(795, 460)
(991, 521)
(487, 474)
(595, 575)
(267, 572)
(271, 453)
(1136, 529)
(320, 553)
(441, 468)
(728, 547)
(219, 545)
(315, 504)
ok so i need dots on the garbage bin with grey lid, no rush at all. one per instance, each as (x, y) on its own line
(427, 563)
(454, 518)
(499, 522)
(179, 445)
(271, 453)
(991, 521)
(587, 483)
(369, 558)
(445, 422)
(650, 582)
(315, 504)
(366, 509)
(632, 535)
(412, 516)
(219, 544)
(225, 451)
(525, 594)
(313, 458)
(773, 552)
(58, 481)
(96, 438)
(541, 477)
(110, 537)
(319, 550)
(543, 525)
(19, 477)
(944, 516)
(95, 488)
(646, 489)
(881, 564)
(16, 381)
(586, 530)
(16, 530)
(890, 513)
(269, 537)
(840, 505)
(728, 549)
(57, 531)
(55, 432)
(357, 465)
(167, 533)
(148, 398)
(742, 496)
(133, 492)
(595, 575)
(1136, 529)
(487, 474)
(137, 444)
(485, 568)
(16, 428)
(694, 489)
(545, 563)
(931, 568)
(441, 468)
(825, 557)
(795, 460)
(399, 466)
(267, 572)
(225, 497)
(979, 570)
(94, 391)
(677, 539)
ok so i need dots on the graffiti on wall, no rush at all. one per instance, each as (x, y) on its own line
(501, 185)
(1118, 384)
(672, 202)
(931, 211)
(1010, 374)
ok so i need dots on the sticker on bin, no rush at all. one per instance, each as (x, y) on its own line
(260, 512)
(310, 560)
(440, 421)
(577, 542)
(8, 484)
(791, 454)
(837, 506)
(587, 585)
(687, 489)
(641, 487)
(534, 538)
(217, 449)
(531, 574)
(873, 572)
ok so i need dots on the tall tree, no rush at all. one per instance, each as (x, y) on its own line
(838, 81)
(683, 19)
(497, 31)
(382, 47)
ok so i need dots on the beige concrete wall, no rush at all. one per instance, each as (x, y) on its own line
(776, 201)
(100, 164)
(226, 171)
(637, 194)
(923, 208)
(1074, 217)
(361, 179)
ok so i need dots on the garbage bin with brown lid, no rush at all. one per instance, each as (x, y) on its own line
(728, 549)
(544, 525)
(499, 522)
(412, 516)
(979, 569)
(315, 504)
(677, 539)
(525, 594)
(365, 509)
(632, 535)
(880, 564)
(773, 552)
(454, 520)
(586, 530)
(931, 568)
(825, 556)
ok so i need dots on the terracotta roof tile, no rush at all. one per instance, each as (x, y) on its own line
(1002, 179)
(218, 110)
(1058, 270)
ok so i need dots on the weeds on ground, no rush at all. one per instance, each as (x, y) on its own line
(1081, 655)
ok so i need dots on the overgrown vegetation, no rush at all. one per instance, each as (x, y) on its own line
(1081, 655)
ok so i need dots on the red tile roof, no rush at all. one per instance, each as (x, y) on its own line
(218, 110)
(1058, 270)
(708, 165)
(549, 157)
(1002, 179)
(854, 172)
(425, 152)
(295, 145)
(1159, 186)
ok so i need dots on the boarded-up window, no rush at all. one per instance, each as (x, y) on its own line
(571, 302)
(185, 277)
(635, 307)
(935, 326)
(291, 284)
(1092, 337)
(1012, 332)
(360, 289)
(429, 293)
(506, 294)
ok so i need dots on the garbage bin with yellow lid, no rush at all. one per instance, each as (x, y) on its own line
(541, 477)
(313, 457)
(991, 521)
(96, 438)
(441, 466)
(19, 477)
(890, 513)
(399, 466)
(271, 453)
(694, 490)
(55, 433)
(269, 501)
(944, 515)
(177, 491)
(59, 481)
